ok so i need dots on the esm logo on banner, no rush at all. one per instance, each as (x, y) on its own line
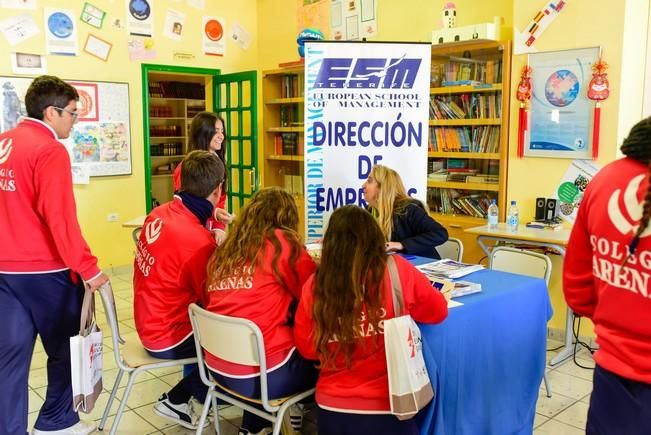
(366, 73)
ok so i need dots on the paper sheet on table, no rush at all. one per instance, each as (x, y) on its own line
(452, 303)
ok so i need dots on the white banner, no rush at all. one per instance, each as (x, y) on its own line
(365, 104)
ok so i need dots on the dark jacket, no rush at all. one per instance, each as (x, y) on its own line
(417, 231)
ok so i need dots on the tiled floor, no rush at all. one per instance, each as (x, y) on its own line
(562, 414)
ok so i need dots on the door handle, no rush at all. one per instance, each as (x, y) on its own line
(252, 182)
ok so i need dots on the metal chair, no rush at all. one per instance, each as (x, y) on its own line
(523, 262)
(237, 341)
(452, 249)
(130, 357)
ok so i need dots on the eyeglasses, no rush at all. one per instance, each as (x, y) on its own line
(74, 114)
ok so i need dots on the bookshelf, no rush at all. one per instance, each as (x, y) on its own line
(468, 151)
(283, 131)
(173, 100)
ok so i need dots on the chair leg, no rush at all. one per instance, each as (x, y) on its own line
(204, 414)
(123, 402)
(114, 392)
(547, 386)
(216, 411)
(280, 416)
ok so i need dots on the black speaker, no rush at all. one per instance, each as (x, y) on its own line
(541, 204)
(550, 209)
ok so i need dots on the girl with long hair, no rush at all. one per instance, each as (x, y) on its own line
(404, 221)
(606, 279)
(207, 132)
(257, 274)
(340, 320)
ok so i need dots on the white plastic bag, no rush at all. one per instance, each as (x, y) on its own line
(410, 389)
(86, 359)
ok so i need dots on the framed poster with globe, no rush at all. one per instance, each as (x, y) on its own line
(560, 124)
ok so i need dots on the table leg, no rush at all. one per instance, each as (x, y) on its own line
(135, 234)
(568, 349)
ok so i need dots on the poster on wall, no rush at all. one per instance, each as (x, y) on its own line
(173, 27)
(100, 142)
(18, 29)
(312, 14)
(572, 186)
(365, 104)
(351, 20)
(60, 32)
(213, 41)
(561, 113)
(140, 17)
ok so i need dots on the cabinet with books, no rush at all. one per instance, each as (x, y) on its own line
(282, 91)
(173, 100)
(468, 135)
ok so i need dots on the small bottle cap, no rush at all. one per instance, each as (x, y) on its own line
(493, 201)
(512, 202)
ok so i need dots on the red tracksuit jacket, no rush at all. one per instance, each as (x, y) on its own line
(38, 216)
(618, 300)
(258, 296)
(364, 387)
(169, 274)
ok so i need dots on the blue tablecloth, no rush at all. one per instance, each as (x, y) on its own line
(487, 359)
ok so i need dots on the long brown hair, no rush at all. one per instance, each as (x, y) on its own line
(637, 145)
(270, 209)
(391, 199)
(349, 279)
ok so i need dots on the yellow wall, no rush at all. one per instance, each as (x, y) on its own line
(125, 195)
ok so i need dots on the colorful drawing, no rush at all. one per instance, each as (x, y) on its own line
(86, 139)
(87, 108)
(114, 146)
(60, 25)
(12, 108)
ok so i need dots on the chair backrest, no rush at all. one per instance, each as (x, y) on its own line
(521, 261)
(452, 249)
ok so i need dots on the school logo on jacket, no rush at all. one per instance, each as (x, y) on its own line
(5, 150)
(626, 221)
(153, 230)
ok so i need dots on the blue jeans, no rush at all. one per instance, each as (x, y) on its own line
(296, 375)
(48, 304)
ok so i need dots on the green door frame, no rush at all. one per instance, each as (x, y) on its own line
(145, 70)
(224, 104)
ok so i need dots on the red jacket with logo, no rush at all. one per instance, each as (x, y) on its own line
(364, 387)
(212, 224)
(169, 274)
(258, 296)
(618, 300)
(38, 214)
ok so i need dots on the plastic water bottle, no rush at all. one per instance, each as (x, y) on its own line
(513, 218)
(493, 214)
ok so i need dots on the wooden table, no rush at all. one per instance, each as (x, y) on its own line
(556, 240)
(136, 224)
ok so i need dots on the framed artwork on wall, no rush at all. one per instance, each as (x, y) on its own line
(561, 113)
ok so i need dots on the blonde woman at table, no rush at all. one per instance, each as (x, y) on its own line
(340, 323)
(606, 278)
(404, 221)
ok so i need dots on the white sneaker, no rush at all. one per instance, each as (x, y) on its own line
(183, 414)
(81, 428)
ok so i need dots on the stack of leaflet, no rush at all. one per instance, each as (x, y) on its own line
(456, 288)
(448, 269)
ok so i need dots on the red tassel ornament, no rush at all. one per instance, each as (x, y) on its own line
(598, 91)
(523, 94)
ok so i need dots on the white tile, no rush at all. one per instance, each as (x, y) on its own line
(576, 415)
(39, 360)
(130, 424)
(147, 413)
(35, 401)
(145, 393)
(171, 379)
(31, 419)
(553, 427)
(225, 429)
(568, 385)
(586, 399)
(539, 419)
(550, 406)
(569, 368)
(38, 378)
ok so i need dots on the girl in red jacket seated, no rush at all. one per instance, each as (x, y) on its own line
(606, 278)
(257, 274)
(340, 322)
(207, 132)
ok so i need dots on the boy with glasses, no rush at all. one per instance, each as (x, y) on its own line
(44, 260)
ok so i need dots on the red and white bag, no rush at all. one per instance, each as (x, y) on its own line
(410, 389)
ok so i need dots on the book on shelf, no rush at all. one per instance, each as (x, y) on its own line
(483, 178)
(288, 144)
(545, 225)
(294, 184)
(448, 269)
(476, 139)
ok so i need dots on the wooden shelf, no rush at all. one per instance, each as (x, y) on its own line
(178, 156)
(286, 129)
(490, 187)
(161, 175)
(463, 155)
(284, 71)
(292, 100)
(291, 158)
(165, 118)
(445, 90)
(461, 219)
(176, 99)
(166, 137)
(462, 122)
